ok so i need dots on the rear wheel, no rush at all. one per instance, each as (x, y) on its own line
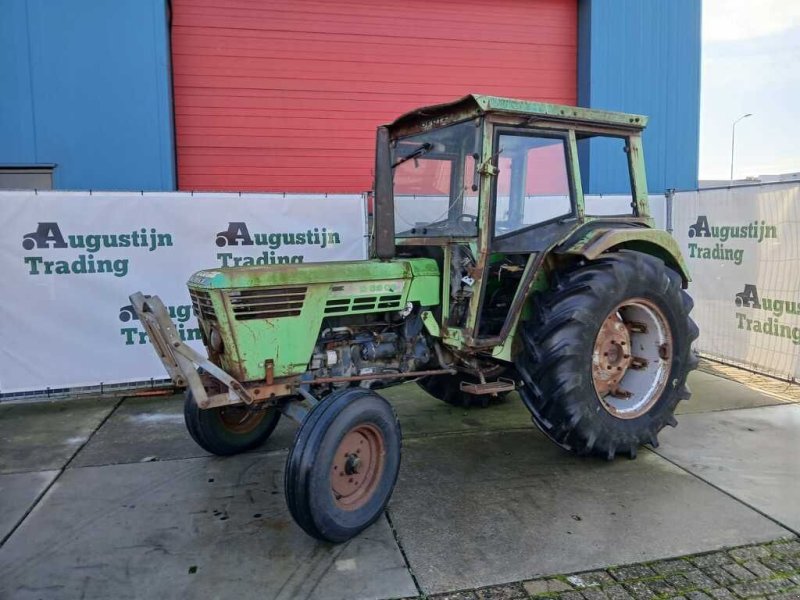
(447, 388)
(343, 465)
(607, 355)
(227, 430)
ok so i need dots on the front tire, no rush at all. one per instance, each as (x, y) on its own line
(606, 357)
(227, 430)
(342, 467)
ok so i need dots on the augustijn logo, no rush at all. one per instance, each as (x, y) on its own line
(238, 234)
(49, 236)
(134, 334)
(750, 298)
(757, 231)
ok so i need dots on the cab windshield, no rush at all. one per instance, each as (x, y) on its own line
(435, 187)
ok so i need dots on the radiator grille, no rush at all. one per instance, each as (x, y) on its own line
(338, 306)
(267, 303)
(201, 303)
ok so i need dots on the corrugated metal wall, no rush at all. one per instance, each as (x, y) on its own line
(644, 57)
(85, 85)
(286, 96)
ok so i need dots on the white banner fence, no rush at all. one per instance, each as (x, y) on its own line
(69, 261)
(742, 245)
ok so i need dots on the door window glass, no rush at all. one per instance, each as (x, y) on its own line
(532, 183)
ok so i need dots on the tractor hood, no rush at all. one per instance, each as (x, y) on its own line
(311, 273)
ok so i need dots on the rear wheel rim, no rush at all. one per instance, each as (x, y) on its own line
(240, 419)
(357, 466)
(632, 358)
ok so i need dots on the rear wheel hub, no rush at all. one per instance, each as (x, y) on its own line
(632, 358)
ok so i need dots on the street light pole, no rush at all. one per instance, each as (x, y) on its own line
(733, 138)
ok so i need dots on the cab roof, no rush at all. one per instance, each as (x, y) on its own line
(474, 105)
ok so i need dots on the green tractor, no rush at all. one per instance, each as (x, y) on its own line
(489, 274)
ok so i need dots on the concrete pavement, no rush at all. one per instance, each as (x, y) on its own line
(103, 500)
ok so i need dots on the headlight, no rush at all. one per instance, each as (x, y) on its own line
(215, 341)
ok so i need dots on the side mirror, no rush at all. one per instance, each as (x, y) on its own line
(384, 197)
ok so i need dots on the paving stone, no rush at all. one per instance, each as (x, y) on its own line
(788, 595)
(592, 578)
(739, 572)
(632, 572)
(594, 594)
(776, 564)
(757, 569)
(697, 595)
(751, 553)
(510, 591)
(545, 586)
(716, 559)
(793, 560)
(677, 598)
(639, 590)
(667, 567)
(795, 579)
(617, 592)
(722, 594)
(760, 588)
(700, 579)
(680, 582)
(788, 548)
(570, 596)
(661, 588)
(465, 595)
(720, 575)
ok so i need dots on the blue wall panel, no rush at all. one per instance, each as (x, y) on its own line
(85, 85)
(643, 56)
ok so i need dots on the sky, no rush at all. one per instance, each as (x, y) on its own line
(750, 64)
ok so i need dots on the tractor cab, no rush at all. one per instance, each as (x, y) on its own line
(488, 187)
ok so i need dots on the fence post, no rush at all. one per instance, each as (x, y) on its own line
(669, 194)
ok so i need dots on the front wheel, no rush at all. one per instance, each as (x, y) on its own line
(606, 357)
(227, 430)
(343, 465)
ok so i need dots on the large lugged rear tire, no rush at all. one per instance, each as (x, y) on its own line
(343, 465)
(227, 430)
(607, 354)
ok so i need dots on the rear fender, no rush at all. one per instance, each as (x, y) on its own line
(655, 242)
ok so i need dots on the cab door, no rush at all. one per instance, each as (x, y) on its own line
(533, 203)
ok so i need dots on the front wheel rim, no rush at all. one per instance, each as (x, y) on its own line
(357, 466)
(632, 358)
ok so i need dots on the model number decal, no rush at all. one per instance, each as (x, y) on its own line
(368, 287)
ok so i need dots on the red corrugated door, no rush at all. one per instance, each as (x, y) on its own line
(285, 96)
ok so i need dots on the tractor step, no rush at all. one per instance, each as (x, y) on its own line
(490, 387)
